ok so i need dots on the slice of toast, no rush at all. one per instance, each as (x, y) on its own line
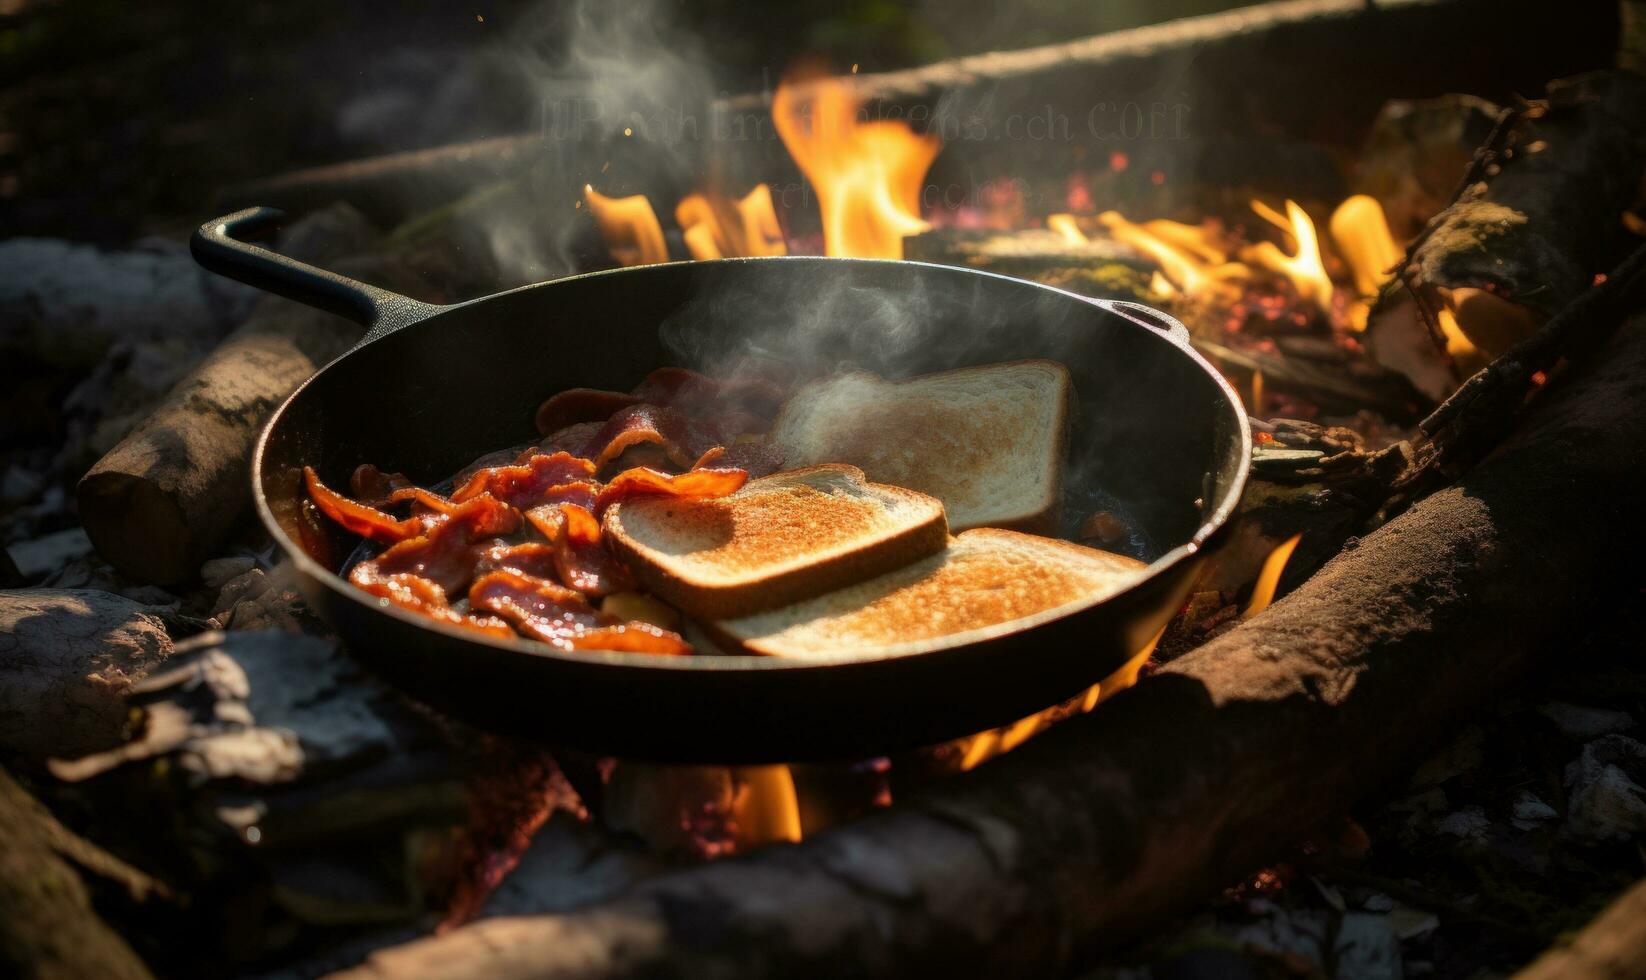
(987, 441)
(985, 578)
(780, 539)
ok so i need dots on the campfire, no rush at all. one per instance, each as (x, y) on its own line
(396, 704)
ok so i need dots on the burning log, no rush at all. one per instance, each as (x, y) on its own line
(1539, 214)
(1612, 947)
(163, 499)
(1225, 757)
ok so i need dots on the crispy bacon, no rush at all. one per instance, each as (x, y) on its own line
(375, 488)
(712, 481)
(422, 596)
(580, 557)
(571, 439)
(580, 405)
(448, 552)
(529, 484)
(639, 424)
(357, 518)
(561, 617)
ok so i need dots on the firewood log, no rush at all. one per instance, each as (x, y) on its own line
(47, 926)
(1539, 214)
(163, 499)
(1612, 947)
(1111, 821)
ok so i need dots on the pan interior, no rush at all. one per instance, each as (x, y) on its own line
(1156, 438)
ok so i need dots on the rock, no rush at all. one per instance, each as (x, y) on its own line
(1469, 824)
(49, 554)
(1361, 945)
(67, 304)
(1604, 795)
(1529, 811)
(217, 572)
(1584, 722)
(67, 660)
(258, 599)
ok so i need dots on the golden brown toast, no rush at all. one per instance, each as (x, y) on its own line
(987, 441)
(985, 578)
(780, 539)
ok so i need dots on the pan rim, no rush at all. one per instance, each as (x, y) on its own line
(1215, 520)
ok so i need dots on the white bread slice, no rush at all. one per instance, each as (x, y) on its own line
(781, 538)
(987, 441)
(986, 578)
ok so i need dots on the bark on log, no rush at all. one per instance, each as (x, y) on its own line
(47, 926)
(160, 502)
(1539, 213)
(1105, 824)
(1612, 947)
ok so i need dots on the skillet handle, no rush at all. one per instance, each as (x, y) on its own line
(220, 246)
(1151, 317)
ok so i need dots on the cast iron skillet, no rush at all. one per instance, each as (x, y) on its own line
(1160, 437)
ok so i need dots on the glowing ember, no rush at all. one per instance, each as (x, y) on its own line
(1304, 268)
(867, 175)
(629, 227)
(1361, 233)
(1268, 580)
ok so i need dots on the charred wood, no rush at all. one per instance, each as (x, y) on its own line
(1102, 826)
(1539, 214)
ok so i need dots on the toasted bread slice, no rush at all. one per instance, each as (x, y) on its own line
(985, 578)
(987, 441)
(781, 538)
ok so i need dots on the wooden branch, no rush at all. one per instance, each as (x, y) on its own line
(1111, 821)
(47, 926)
(162, 500)
(1612, 947)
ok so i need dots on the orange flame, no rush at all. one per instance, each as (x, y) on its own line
(1361, 233)
(1190, 260)
(980, 748)
(716, 227)
(1268, 580)
(1064, 224)
(1304, 268)
(867, 175)
(629, 227)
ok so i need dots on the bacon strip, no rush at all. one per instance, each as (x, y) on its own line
(529, 484)
(357, 518)
(561, 617)
(644, 481)
(641, 424)
(580, 405)
(448, 552)
(375, 488)
(426, 598)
